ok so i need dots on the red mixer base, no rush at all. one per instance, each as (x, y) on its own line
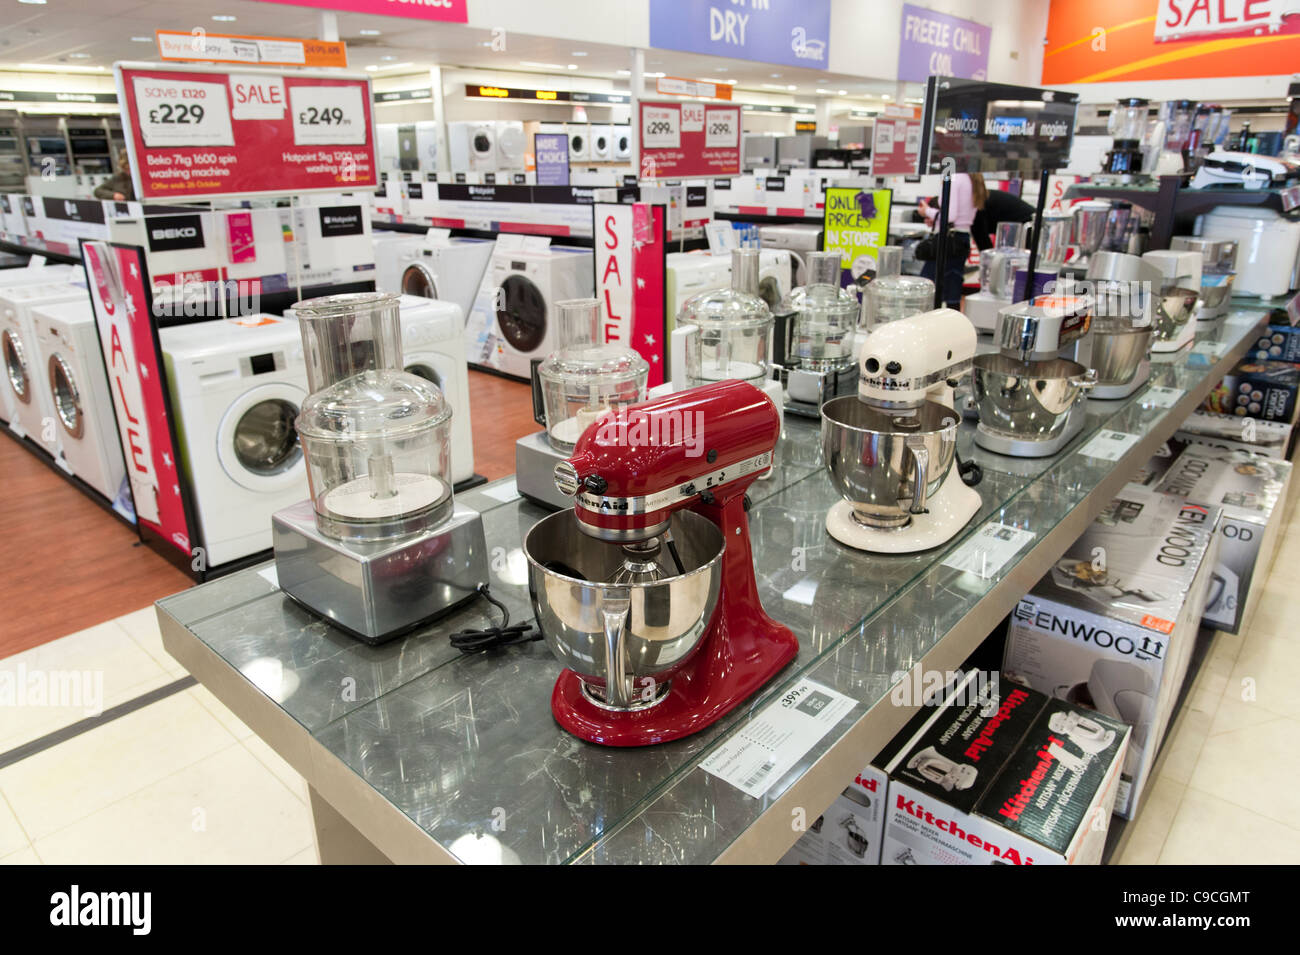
(733, 662)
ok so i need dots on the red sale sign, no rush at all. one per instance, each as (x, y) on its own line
(202, 132)
(630, 273)
(689, 139)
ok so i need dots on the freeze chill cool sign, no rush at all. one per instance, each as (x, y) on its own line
(940, 45)
(790, 32)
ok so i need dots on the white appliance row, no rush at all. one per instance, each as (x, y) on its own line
(487, 146)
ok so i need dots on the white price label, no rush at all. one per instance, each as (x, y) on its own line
(769, 745)
(327, 116)
(692, 117)
(721, 129)
(884, 137)
(1109, 445)
(1158, 396)
(912, 144)
(180, 112)
(987, 552)
(661, 127)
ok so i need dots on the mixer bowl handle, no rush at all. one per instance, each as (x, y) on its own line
(920, 479)
(614, 612)
(1085, 382)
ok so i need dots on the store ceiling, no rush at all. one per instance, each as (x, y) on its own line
(78, 35)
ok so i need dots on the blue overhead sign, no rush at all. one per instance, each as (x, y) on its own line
(789, 32)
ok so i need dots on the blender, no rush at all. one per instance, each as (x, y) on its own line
(381, 547)
(572, 388)
(998, 267)
(1127, 126)
(1218, 269)
(1173, 133)
(815, 328)
(890, 448)
(1173, 305)
(1053, 249)
(1122, 286)
(645, 589)
(1029, 394)
(1087, 232)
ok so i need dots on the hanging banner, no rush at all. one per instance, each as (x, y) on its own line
(896, 142)
(630, 273)
(936, 44)
(199, 132)
(682, 140)
(789, 32)
(856, 224)
(676, 86)
(551, 156)
(119, 295)
(252, 50)
(1107, 41)
(445, 11)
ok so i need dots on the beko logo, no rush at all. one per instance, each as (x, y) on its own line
(173, 233)
(187, 233)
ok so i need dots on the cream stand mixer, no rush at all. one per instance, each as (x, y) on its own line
(890, 448)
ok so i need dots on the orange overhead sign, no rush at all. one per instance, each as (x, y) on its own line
(201, 46)
(1107, 41)
(676, 86)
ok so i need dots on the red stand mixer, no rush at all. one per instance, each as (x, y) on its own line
(646, 590)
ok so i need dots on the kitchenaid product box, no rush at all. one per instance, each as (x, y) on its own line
(1004, 775)
(849, 832)
(1277, 343)
(1231, 433)
(1112, 624)
(1251, 490)
(1257, 389)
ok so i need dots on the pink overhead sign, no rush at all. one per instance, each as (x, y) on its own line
(447, 11)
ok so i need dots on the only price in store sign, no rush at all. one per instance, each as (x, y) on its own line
(198, 132)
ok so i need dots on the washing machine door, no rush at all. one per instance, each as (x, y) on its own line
(510, 145)
(257, 442)
(425, 367)
(16, 365)
(623, 147)
(577, 146)
(482, 144)
(522, 314)
(420, 280)
(600, 146)
(66, 396)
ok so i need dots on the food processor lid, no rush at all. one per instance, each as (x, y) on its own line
(725, 308)
(902, 286)
(595, 365)
(383, 403)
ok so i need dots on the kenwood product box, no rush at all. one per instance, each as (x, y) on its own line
(1112, 624)
(1231, 433)
(1004, 775)
(1251, 490)
(1257, 389)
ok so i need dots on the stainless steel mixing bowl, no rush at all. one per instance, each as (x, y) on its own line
(1028, 399)
(1214, 298)
(1171, 310)
(625, 641)
(1117, 353)
(886, 464)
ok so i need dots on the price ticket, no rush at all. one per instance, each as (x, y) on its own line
(180, 112)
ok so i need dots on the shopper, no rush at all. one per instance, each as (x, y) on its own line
(966, 197)
(118, 186)
(999, 206)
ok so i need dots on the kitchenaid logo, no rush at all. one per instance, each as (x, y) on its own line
(1077, 629)
(1015, 806)
(174, 233)
(1025, 129)
(340, 220)
(951, 828)
(984, 741)
(129, 909)
(925, 688)
(73, 689)
(669, 428)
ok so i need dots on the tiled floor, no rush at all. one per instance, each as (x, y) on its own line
(182, 780)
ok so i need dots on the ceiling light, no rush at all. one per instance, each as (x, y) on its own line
(223, 18)
(372, 67)
(388, 59)
(792, 87)
(141, 39)
(623, 72)
(884, 96)
(368, 32)
(573, 66)
(396, 66)
(721, 69)
(35, 3)
(51, 68)
(730, 82)
(844, 92)
(776, 76)
(542, 66)
(578, 53)
(773, 86)
(79, 56)
(654, 76)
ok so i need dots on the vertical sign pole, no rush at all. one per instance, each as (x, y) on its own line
(1034, 242)
(941, 246)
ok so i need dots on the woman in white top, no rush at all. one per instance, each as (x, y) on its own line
(965, 198)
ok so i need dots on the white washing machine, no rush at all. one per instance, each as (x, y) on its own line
(602, 143)
(579, 141)
(690, 273)
(775, 275)
(433, 347)
(394, 251)
(471, 146)
(236, 388)
(623, 142)
(797, 238)
(511, 146)
(67, 343)
(530, 282)
(447, 269)
(10, 278)
(26, 389)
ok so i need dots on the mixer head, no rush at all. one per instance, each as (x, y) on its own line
(633, 468)
(902, 361)
(1038, 331)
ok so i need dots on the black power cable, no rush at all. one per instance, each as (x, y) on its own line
(505, 635)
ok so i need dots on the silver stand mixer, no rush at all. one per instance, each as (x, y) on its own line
(890, 448)
(1029, 394)
(998, 267)
(381, 546)
(1122, 286)
(1173, 307)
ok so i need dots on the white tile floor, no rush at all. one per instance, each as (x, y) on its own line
(182, 780)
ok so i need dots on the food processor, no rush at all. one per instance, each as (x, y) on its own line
(1175, 299)
(998, 268)
(381, 546)
(1127, 127)
(572, 388)
(1122, 286)
(815, 328)
(1087, 232)
(890, 297)
(645, 590)
(890, 448)
(1029, 394)
(1218, 269)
